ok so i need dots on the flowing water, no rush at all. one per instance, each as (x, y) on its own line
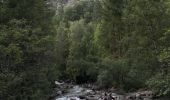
(77, 92)
(74, 93)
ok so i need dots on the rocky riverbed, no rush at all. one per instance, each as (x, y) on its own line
(65, 91)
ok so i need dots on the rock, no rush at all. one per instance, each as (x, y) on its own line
(59, 92)
(131, 96)
(142, 95)
(74, 98)
(58, 83)
(113, 97)
(71, 92)
(145, 94)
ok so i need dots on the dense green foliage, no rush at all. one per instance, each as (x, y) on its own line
(120, 43)
(113, 43)
(27, 56)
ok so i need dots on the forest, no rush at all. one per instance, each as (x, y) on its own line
(110, 43)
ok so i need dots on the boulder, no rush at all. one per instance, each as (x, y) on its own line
(58, 83)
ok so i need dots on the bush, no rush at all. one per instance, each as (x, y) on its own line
(119, 74)
(105, 79)
(82, 71)
(112, 73)
(160, 84)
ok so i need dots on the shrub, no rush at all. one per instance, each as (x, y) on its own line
(160, 84)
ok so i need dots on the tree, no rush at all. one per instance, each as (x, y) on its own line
(27, 47)
(80, 47)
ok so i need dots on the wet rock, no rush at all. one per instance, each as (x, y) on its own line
(146, 94)
(74, 98)
(59, 92)
(71, 92)
(142, 95)
(58, 83)
(131, 96)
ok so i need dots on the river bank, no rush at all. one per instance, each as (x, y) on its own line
(67, 91)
